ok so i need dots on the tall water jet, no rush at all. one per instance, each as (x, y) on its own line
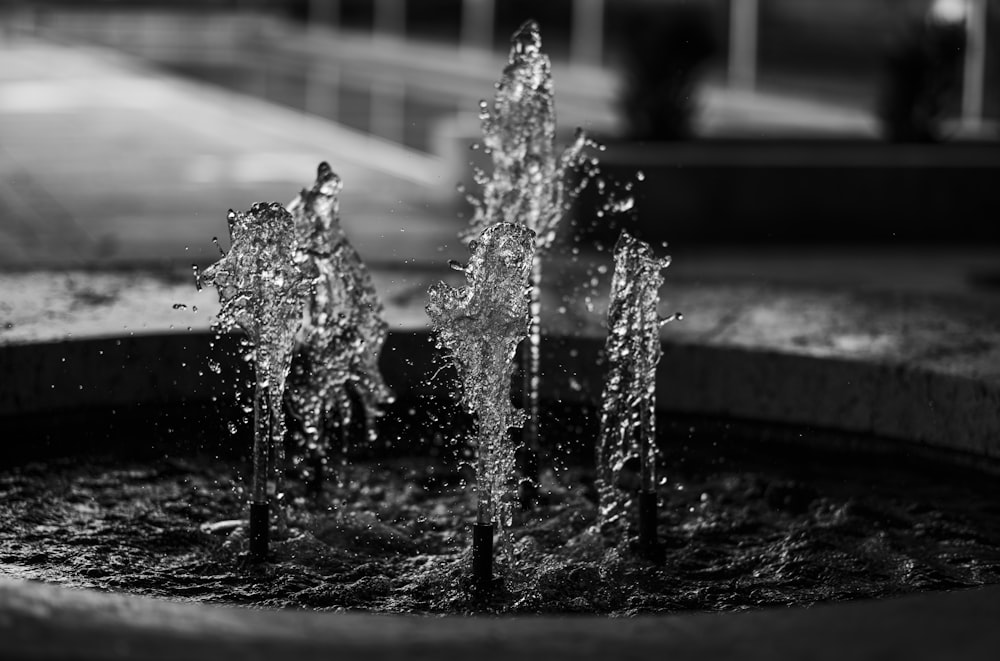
(531, 184)
(343, 328)
(626, 447)
(262, 289)
(481, 325)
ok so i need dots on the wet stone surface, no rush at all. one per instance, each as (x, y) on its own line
(742, 529)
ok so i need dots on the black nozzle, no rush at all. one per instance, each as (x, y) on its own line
(649, 543)
(482, 555)
(259, 531)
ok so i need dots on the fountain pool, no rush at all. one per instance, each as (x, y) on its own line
(810, 376)
(762, 385)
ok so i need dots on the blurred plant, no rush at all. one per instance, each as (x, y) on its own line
(922, 78)
(664, 50)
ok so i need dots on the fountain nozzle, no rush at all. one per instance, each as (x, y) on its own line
(649, 544)
(259, 523)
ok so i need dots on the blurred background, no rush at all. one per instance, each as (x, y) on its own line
(128, 127)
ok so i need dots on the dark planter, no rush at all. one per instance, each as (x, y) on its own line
(802, 192)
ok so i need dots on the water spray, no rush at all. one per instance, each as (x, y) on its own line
(293, 282)
(626, 448)
(481, 325)
(262, 291)
(529, 185)
(335, 370)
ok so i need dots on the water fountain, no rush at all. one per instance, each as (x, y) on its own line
(772, 370)
(532, 184)
(293, 282)
(344, 329)
(263, 289)
(626, 446)
(481, 325)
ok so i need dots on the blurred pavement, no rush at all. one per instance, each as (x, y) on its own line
(107, 161)
(104, 161)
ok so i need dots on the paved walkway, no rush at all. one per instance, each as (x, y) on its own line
(106, 162)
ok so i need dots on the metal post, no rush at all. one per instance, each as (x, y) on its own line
(323, 80)
(385, 118)
(974, 75)
(385, 113)
(477, 25)
(259, 531)
(324, 14)
(323, 91)
(743, 15)
(649, 544)
(390, 18)
(587, 35)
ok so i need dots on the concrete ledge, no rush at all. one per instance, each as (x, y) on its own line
(47, 622)
(918, 369)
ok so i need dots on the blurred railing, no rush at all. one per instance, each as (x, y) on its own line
(832, 51)
(345, 75)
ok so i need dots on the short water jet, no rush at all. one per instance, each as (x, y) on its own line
(293, 282)
(531, 184)
(626, 450)
(343, 330)
(481, 325)
(262, 290)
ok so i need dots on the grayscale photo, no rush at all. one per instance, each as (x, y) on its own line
(499, 329)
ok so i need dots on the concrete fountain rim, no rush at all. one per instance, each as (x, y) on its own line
(786, 380)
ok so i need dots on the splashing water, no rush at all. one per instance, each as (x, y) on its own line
(263, 289)
(343, 330)
(481, 325)
(530, 182)
(626, 451)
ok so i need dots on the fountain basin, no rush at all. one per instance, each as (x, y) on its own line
(897, 374)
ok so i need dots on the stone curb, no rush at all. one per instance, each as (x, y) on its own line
(909, 405)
